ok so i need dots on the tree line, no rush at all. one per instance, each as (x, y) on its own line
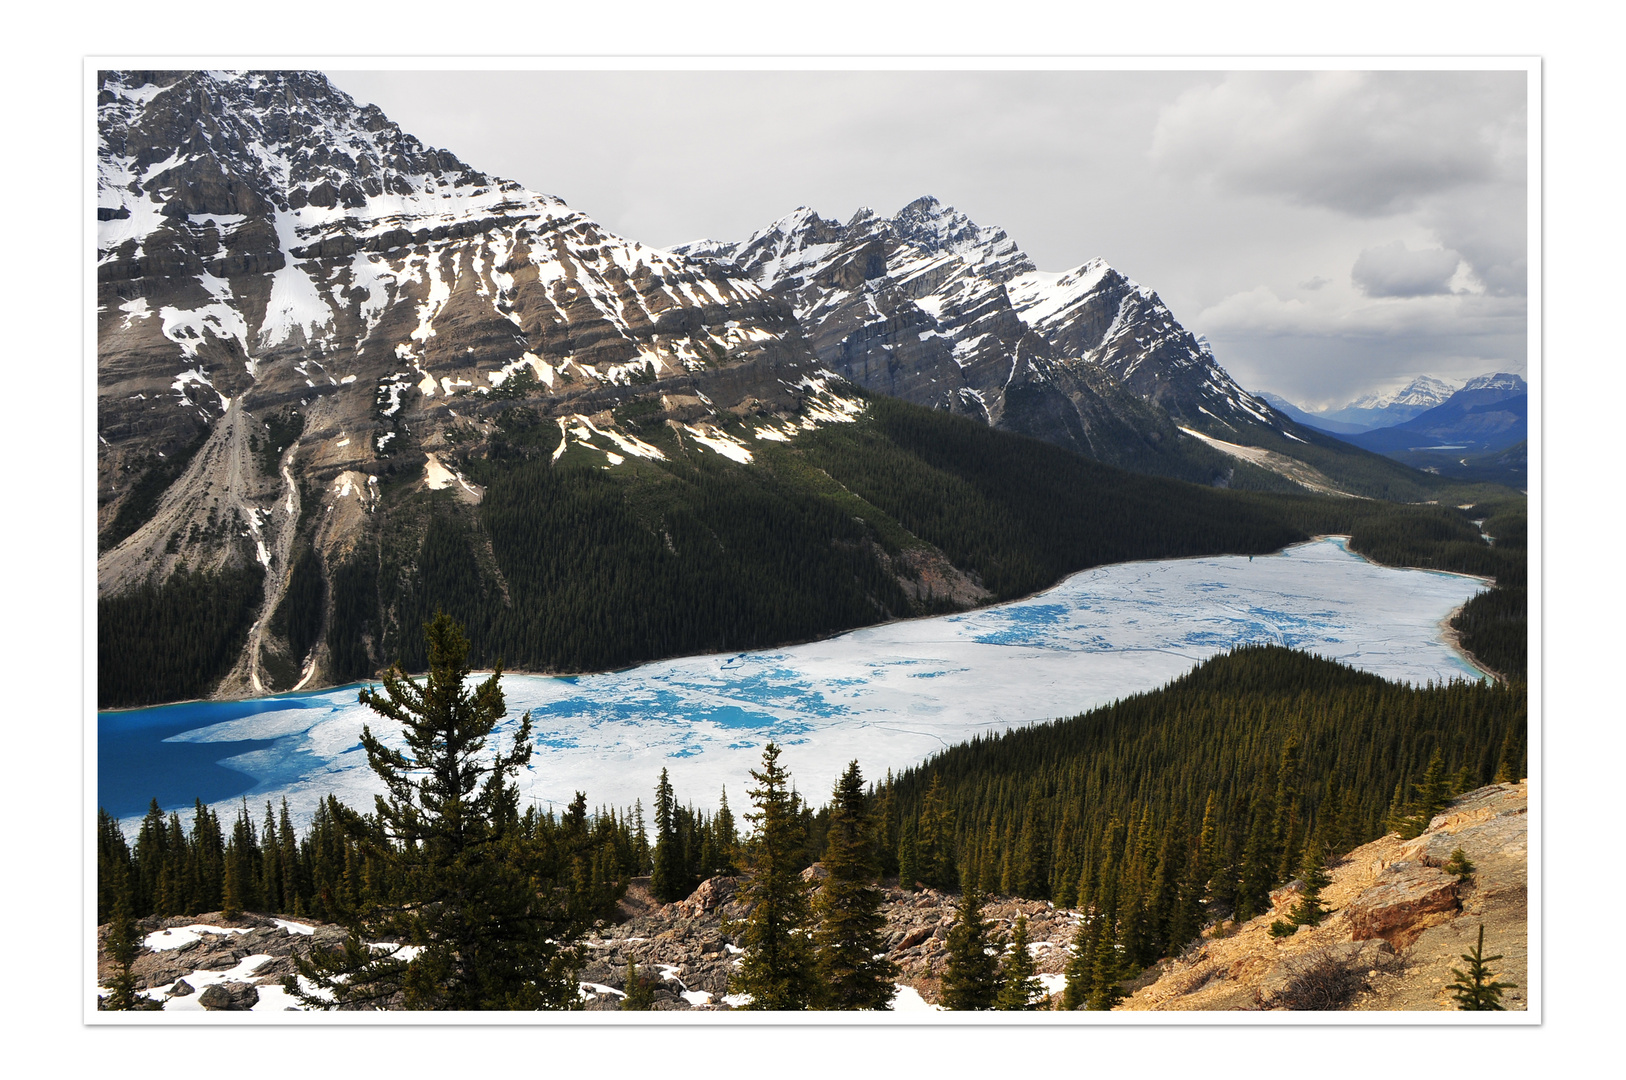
(1153, 817)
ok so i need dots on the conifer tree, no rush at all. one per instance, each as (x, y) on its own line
(849, 938)
(1309, 909)
(934, 842)
(778, 969)
(1079, 970)
(112, 866)
(728, 840)
(1460, 865)
(1019, 988)
(640, 840)
(668, 880)
(1477, 990)
(1432, 794)
(640, 990)
(1106, 969)
(971, 979)
(1509, 763)
(122, 945)
(1254, 877)
(908, 861)
(489, 928)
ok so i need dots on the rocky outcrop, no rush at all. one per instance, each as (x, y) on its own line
(1398, 906)
(229, 997)
(1397, 923)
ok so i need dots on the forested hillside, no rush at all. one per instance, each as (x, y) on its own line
(564, 565)
(1167, 809)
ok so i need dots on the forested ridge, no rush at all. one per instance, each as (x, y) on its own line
(566, 566)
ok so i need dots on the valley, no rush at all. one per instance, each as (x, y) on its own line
(1135, 651)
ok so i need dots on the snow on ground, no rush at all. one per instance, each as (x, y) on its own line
(888, 695)
(909, 1000)
(164, 940)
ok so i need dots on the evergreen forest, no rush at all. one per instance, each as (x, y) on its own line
(1156, 815)
(566, 566)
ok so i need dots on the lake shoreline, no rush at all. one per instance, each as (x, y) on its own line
(901, 620)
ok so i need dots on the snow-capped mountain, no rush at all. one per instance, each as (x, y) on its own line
(1425, 390)
(316, 335)
(929, 306)
(1385, 408)
(277, 263)
(1489, 413)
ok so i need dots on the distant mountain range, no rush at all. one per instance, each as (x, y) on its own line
(1373, 410)
(1489, 413)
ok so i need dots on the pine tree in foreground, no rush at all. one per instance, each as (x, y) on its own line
(851, 948)
(778, 969)
(485, 931)
(1476, 989)
(1019, 989)
(122, 945)
(971, 980)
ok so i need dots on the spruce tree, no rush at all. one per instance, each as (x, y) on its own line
(971, 979)
(1309, 909)
(640, 990)
(1106, 969)
(640, 840)
(1477, 990)
(1509, 764)
(778, 969)
(849, 938)
(1460, 865)
(1079, 970)
(934, 842)
(1019, 988)
(668, 880)
(728, 840)
(487, 926)
(123, 942)
(908, 858)
(112, 866)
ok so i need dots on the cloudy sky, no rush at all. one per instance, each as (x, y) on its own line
(1331, 232)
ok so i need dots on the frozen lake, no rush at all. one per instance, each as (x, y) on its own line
(887, 695)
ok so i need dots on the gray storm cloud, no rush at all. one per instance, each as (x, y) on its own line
(1396, 270)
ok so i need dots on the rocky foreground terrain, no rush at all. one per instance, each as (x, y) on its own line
(1397, 924)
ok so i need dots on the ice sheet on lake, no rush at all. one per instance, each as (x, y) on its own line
(892, 695)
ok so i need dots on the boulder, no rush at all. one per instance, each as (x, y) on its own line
(229, 997)
(182, 988)
(1397, 907)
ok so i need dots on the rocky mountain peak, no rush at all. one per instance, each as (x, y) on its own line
(934, 227)
(1425, 391)
(1501, 380)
